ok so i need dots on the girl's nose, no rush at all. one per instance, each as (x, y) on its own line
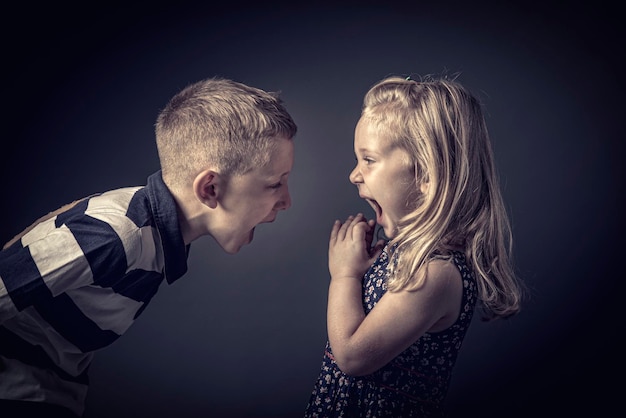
(355, 175)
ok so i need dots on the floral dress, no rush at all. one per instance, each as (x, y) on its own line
(415, 383)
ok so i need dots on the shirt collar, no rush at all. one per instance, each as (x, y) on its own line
(165, 214)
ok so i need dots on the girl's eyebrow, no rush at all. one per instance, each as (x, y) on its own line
(369, 151)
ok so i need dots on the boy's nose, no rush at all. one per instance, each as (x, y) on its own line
(285, 202)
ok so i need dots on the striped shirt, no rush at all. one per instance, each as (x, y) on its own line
(75, 282)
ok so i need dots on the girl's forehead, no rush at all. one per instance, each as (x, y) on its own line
(369, 136)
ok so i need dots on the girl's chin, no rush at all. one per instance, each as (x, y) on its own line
(389, 233)
(388, 227)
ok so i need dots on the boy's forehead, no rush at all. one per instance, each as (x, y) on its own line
(281, 160)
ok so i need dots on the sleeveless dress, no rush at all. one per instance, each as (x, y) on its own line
(415, 383)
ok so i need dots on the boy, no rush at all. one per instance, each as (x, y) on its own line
(75, 280)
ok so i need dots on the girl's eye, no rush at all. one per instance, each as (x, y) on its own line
(276, 186)
(368, 160)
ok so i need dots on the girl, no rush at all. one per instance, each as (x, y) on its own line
(398, 310)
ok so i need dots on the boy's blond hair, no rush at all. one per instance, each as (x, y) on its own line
(221, 123)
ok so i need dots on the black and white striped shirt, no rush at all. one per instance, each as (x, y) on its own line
(76, 282)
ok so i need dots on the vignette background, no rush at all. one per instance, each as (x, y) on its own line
(243, 335)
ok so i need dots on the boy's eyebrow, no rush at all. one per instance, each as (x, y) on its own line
(271, 177)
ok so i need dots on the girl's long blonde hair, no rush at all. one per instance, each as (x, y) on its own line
(442, 127)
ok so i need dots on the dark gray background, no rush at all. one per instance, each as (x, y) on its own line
(243, 335)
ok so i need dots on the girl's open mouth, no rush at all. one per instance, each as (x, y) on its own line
(377, 209)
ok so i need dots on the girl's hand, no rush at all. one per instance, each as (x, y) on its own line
(350, 251)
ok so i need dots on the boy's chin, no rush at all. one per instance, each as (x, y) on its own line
(231, 250)
(233, 247)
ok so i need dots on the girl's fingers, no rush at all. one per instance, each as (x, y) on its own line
(358, 218)
(360, 230)
(341, 230)
(335, 231)
(355, 220)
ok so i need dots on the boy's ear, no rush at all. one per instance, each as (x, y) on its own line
(207, 187)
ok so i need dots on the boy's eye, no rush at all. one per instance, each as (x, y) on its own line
(276, 186)
(368, 160)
